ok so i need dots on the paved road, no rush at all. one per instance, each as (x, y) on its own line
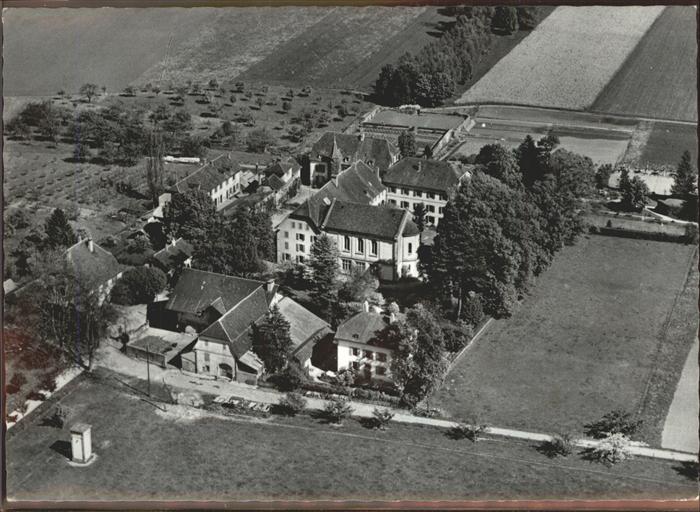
(681, 427)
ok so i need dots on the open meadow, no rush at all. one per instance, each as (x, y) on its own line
(144, 453)
(608, 326)
(567, 60)
(666, 144)
(659, 79)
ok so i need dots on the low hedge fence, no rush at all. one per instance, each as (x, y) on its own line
(657, 236)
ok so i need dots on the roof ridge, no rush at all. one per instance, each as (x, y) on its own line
(224, 275)
(219, 320)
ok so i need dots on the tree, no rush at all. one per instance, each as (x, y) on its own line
(293, 403)
(129, 90)
(419, 212)
(19, 129)
(59, 232)
(324, 266)
(193, 146)
(685, 180)
(259, 140)
(71, 314)
(527, 19)
(138, 285)
(500, 163)
(381, 418)
(361, 285)
(154, 166)
(407, 143)
(634, 192)
(337, 409)
(419, 362)
(428, 151)
(602, 176)
(505, 20)
(259, 101)
(190, 215)
(89, 91)
(574, 174)
(286, 106)
(613, 422)
(271, 340)
(529, 162)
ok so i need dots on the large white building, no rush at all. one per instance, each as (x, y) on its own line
(413, 181)
(364, 234)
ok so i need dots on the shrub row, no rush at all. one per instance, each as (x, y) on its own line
(360, 394)
(657, 236)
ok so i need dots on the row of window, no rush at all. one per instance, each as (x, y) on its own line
(368, 354)
(300, 225)
(373, 246)
(369, 369)
(418, 193)
(411, 206)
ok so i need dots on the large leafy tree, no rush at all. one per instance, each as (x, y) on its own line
(505, 19)
(190, 215)
(138, 285)
(418, 362)
(272, 342)
(501, 163)
(324, 266)
(574, 173)
(89, 91)
(685, 180)
(59, 232)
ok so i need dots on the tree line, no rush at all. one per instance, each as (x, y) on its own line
(429, 77)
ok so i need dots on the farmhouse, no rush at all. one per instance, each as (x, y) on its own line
(413, 181)
(221, 187)
(94, 266)
(283, 177)
(364, 234)
(432, 129)
(362, 346)
(305, 329)
(335, 152)
(176, 254)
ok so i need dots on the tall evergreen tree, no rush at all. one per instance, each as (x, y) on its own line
(419, 216)
(59, 232)
(529, 162)
(272, 342)
(154, 166)
(685, 180)
(324, 265)
(407, 143)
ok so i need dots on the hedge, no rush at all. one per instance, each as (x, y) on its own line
(657, 236)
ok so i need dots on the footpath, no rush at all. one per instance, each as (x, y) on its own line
(112, 359)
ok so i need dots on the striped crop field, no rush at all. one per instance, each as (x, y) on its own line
(568, 59)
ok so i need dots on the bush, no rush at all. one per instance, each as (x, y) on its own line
(611, 450)
(337, 409)
(559, 445)
(472, 309)
(467, 431)
(35, 395)
(16, 382)
(614, 422)
(691, 234)
(381, 417)
(291, 378)
(293, 403)
(456, 336)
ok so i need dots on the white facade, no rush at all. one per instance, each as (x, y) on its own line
(408, 198)
(368, 360)
(295, 238)
(214, 358)
(226, 191)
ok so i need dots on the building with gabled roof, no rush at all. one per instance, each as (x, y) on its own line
(335, 152)
(305, 329)
(176, 254)
(94, 266)
(412, 181)
(366, 235)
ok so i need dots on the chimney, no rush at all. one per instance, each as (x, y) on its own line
(90, 245)
(365, 307)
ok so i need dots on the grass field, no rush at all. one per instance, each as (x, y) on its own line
(667, 142)
(147, 454)
(583, 343)
(659, 79)
(567, 60)
(602, 139)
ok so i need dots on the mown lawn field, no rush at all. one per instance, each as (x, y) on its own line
(667, 142)
(659, 79)
(585, 342)
(146, 454)
(567, 60)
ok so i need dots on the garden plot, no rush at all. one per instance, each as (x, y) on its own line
(568, 59)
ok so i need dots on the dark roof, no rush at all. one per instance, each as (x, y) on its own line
(420, 173)
(205, 178)
(275, 182)
(197, 290)
(174, 254)
(365, 220)
(410, 229)
(364, 327)
(359, 183)
(236, 325)
(96, 267)
(375, 150)
(303, 324)
(280, 167)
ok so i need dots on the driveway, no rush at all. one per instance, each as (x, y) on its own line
(681, 427)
